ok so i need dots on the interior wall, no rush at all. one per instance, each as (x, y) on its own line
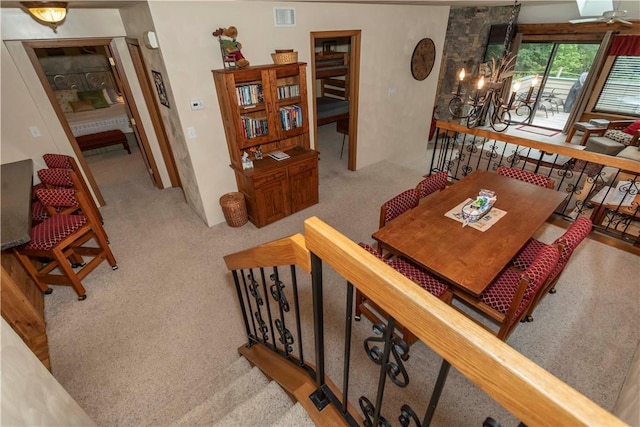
(21, 79)
(394, 109)
(136, 20)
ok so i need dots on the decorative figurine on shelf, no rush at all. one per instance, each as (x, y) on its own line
(230, 48)
(246, 163)
(257, 152)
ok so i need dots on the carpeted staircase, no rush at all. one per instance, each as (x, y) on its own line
(246, 397)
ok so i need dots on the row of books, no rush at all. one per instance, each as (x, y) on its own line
(250, 94)
(253, 128)
(288, 91)
(291, 117)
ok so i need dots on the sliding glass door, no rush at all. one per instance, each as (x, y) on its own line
(557, 71)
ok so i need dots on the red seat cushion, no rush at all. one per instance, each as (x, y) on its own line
(52, 231)
(526, 256)
(56, 177)
(422, 277)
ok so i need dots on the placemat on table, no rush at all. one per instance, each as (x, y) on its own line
(483, 224)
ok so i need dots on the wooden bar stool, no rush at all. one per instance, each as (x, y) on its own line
(61, 241)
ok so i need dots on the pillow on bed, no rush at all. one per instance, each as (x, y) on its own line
(78, 106)
(95, 97)
(64, 97)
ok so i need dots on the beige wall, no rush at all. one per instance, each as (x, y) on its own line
(392, 128)
(31, 396)
(24, 101)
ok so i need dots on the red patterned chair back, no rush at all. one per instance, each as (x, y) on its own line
(60, 161)
(433, 183)
(526, 176)
(398, 205)
(56, 177)
(544, 263)
(57, 197)
(569, 241)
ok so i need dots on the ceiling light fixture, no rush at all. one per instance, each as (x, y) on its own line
(48, 12)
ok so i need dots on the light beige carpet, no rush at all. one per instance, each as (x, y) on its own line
(152, 338)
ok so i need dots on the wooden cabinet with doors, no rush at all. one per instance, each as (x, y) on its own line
(264, 110)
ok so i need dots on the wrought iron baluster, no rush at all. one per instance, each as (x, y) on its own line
(278, 295)
(254, 290)
(269, 314)
(318, 397)
(437, 391)
(296, 303)
(347, 346)
(236, 281)
(254, 335)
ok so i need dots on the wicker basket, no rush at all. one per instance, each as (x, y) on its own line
(234, 209)
(284, 57)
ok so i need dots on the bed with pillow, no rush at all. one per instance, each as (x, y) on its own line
(332, 73)
(86, 93)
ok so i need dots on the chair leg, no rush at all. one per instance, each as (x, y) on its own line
(66, 269)
(344, 136)
(359, 301)
(31, 270)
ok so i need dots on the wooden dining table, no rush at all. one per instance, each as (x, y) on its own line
(467, 258)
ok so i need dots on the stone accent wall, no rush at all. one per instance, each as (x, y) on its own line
(464, 46)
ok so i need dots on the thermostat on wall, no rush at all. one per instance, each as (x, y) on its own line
(150, 40)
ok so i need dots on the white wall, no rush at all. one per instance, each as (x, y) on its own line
(390, 128)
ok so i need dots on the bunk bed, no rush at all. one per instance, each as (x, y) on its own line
(332, 104)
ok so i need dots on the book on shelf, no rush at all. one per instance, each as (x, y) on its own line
(250, 94)
(291, 117)
(254, 127)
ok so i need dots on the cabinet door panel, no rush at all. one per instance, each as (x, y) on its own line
(303, 183)
(272, 202)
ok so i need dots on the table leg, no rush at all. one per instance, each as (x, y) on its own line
(570, 134)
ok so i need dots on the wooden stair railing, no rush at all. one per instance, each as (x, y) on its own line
(529, 392)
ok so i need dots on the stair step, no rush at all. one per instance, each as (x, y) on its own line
(296, 416)
(264, 408)
(225, 399)
(172, 409)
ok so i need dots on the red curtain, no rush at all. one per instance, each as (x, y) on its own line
(625, 46)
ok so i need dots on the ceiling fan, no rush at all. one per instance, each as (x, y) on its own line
(610, 17)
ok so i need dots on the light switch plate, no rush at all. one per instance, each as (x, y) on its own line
(191, 133)
(35, 132)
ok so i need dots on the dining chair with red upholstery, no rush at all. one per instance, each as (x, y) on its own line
(432, 183)
(567, 244)
(413, 272)
(62, 161)
(66, 178)
(526, 176)
(508, 298)
(62, 242)
(396, 206)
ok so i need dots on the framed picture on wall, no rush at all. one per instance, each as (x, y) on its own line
(162, 92)
(330, 46)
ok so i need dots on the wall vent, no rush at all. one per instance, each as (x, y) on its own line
(284, 16)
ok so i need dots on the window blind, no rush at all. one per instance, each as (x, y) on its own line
(621, 91)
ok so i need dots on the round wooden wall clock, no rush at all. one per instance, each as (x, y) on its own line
(422, 59)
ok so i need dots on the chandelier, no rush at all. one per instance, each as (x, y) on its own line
(487, 103)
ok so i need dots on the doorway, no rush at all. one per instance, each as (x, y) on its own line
(335, 67)
(93, 68)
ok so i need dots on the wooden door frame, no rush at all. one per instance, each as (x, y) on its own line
(154, 110)
(119, 74)
(354, 84)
